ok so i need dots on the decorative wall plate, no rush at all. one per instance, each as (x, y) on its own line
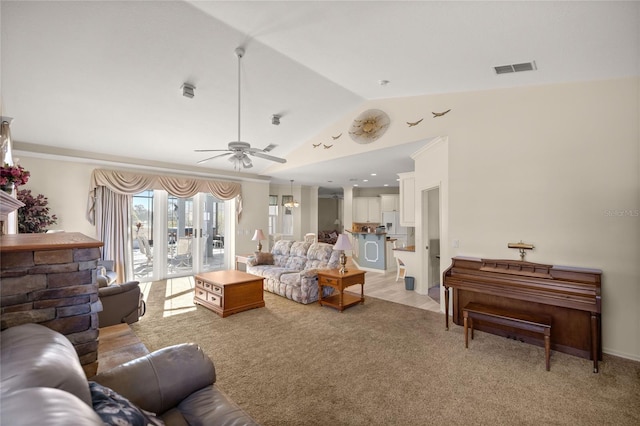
(369, 126)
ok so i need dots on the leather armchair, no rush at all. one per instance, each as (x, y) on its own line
(42, 383)
(177, 383)
(106, 273)
(120, 303)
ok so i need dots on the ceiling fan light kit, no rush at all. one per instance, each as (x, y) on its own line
(239, 150)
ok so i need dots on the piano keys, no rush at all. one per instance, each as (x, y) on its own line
(570, 296)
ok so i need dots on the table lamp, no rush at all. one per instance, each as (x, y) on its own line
(343, 244)
(258, 236)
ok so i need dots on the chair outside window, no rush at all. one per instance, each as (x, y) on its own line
(183, 253)
(142, 268)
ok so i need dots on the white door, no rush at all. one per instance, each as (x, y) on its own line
(174, 236)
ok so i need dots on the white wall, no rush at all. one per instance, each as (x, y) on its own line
(66, 185)
(547, 165)
(255, 215)
(557, 166)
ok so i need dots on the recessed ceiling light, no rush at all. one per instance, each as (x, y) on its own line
(386, 184)
(374, 174)
(365, 180)
(355, 184)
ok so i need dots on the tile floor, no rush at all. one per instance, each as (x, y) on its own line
(384, 286)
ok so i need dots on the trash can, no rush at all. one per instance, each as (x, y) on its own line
(408, 283)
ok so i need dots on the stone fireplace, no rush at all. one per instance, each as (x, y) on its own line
(50, 279)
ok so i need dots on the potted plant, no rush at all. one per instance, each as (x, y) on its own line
(34, 217)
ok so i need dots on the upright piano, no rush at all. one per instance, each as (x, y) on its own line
(570, 296)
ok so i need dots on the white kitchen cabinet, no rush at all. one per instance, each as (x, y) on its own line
(389, 202)
(407, 199)
(366, 209)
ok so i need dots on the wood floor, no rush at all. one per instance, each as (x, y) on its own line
(118, 344)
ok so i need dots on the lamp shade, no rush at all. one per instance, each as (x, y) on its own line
(342, 243)
(258, 235)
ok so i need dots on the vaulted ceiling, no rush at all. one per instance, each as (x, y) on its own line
(103, 78)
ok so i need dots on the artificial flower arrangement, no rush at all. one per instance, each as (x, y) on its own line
(11, 176)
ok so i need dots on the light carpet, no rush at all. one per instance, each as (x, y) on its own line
(383, 363)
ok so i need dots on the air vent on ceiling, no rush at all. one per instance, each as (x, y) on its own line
(526, 66)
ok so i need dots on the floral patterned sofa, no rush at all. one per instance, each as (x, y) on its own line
(291, 269)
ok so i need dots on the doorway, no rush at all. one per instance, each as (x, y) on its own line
(431, 240)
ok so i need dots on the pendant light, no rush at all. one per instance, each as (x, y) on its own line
(292, 204)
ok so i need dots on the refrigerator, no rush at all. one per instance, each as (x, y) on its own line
(391, 220)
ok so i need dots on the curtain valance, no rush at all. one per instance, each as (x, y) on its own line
(130, 183)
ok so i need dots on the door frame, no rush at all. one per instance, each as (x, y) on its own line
(426, 217)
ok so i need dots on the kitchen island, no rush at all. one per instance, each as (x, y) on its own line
(370, 251)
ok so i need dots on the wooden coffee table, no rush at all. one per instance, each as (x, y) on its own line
(333, 278)
(228, 292)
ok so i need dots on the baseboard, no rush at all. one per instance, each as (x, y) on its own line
(624, 355)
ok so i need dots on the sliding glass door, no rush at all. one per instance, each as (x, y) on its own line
(175, 236)
(180, 240)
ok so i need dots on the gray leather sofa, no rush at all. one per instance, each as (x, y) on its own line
(42, 382)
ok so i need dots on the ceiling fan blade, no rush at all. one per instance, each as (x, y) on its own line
(209, 150)
(267, 157)
(215, 156)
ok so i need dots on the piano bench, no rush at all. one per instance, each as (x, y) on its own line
(523, 321)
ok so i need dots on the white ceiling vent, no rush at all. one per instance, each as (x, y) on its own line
(526, 66)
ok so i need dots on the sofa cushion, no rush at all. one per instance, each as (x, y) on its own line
(297, 255)
(322, 256)
(114, 409)
(210, 406)
(275, 273)
(281, 251)
(33, 355)
(46, 406)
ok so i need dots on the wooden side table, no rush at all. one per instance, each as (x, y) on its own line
(242, 259)
(333, 278)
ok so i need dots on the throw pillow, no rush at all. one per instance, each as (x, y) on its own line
(333, 235)
(115, 409)
(264, 258)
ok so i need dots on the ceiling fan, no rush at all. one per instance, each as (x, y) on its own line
(239, 151)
